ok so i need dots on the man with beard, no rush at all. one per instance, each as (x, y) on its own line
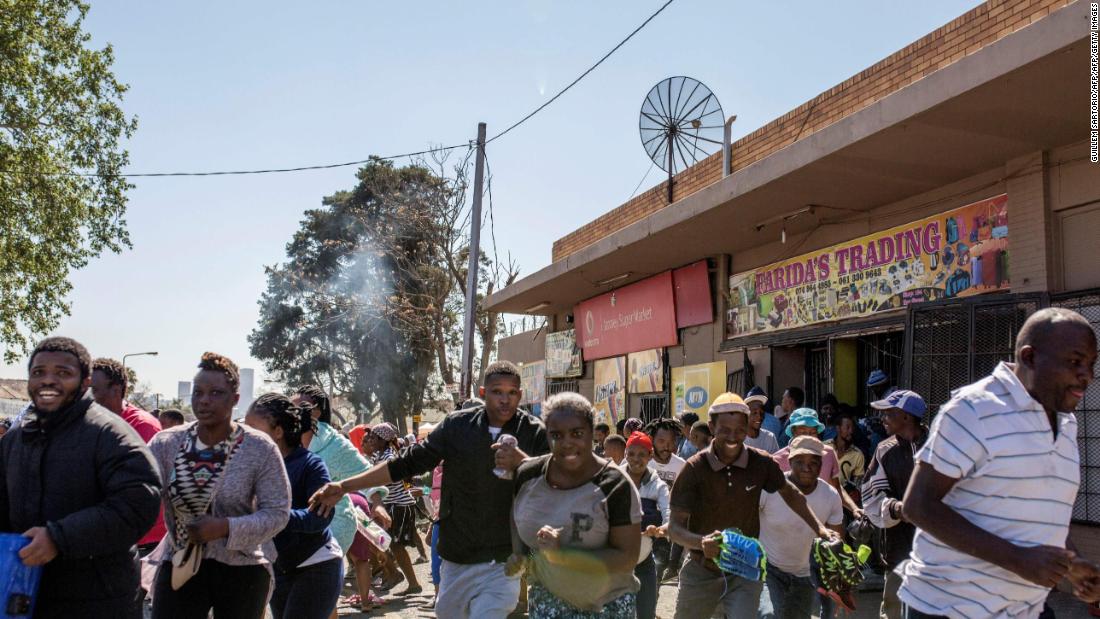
(475, 510)
(665, 434)
(81, 484)
(996, 481)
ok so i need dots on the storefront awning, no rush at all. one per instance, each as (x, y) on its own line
(1024, 93)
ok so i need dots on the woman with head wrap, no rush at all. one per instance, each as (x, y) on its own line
(340, 456)
(400, 504)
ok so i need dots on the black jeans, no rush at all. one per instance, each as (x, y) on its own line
(308, 592)
(646, 571)
(231, 591)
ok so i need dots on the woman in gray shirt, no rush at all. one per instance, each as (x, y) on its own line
(575, 518)
(226, 488)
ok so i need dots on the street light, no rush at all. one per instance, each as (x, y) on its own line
(136, 354)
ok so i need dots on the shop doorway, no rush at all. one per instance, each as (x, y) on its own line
(818, 374)
(877, 351)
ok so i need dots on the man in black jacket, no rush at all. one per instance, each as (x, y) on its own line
(80, 483)
(475, 505)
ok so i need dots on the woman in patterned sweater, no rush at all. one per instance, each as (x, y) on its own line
(226, 489)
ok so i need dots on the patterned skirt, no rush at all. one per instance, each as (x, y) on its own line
(403, 527)
(541, 604)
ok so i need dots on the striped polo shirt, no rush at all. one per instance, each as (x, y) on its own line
(1015, 480)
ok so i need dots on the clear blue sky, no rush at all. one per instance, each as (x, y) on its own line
(241, 85)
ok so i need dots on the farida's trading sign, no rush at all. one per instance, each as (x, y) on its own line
(959, 253)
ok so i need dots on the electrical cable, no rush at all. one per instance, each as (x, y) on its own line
(582, 75)
(237, 172)
(350, 163)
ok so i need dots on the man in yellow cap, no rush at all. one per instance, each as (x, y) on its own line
(720, 488)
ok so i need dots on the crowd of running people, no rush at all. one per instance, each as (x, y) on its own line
(753, 511)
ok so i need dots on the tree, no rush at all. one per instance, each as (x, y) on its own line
(352, 308)
(59, 119)
(369, 302)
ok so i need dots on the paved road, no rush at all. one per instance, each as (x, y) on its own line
(866, 605)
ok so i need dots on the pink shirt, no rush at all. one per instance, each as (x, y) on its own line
(146, 426)
(437, 484)
(830, 467)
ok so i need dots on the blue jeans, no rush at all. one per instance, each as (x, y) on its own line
(789, 596)
(436, 559)
(308, 592)
(646, 571)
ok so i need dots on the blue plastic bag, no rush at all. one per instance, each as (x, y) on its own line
(19, 584)
(742, 556)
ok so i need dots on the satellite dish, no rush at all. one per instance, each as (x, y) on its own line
(680, 123)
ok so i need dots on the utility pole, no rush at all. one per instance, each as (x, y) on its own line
(471, 272)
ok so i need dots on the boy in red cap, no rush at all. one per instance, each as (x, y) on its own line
(654, 494)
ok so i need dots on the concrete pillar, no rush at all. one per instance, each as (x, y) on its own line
(1030, 263)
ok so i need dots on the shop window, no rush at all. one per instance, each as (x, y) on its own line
(561, 385)
(652, 407)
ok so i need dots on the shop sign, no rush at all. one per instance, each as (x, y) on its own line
(635, 317)
(694, 387)
(533, 382)
(691, 289)
(646, 370)
(959, 253)
(610, 389)
(563, 356)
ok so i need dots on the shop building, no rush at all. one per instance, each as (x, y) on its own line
(908, 219)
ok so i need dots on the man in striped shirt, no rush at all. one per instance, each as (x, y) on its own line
(995, 483)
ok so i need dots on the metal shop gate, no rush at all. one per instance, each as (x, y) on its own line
(950, 344)
(1087, 506)
(561, 385)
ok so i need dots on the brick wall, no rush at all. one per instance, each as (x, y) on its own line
(958, 38)
(1030, 253)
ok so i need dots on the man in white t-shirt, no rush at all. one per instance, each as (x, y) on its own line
(667, 465)
(757, 435)
(996, 481)
(787, 541)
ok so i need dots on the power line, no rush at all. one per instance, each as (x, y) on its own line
(639, 185)
(361, 161)
(492, 222)
(237, 172)
(582, 75)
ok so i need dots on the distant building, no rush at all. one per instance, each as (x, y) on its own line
(13, 396)
(184, 390)
(247, 390)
